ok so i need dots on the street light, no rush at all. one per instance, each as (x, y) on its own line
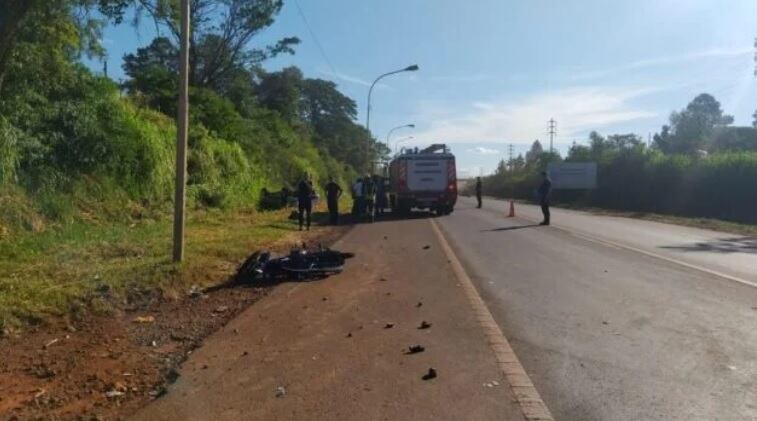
(388, 135)
(397, 143)
(411, 68)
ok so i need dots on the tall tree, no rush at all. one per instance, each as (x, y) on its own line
(533, 155)
(220, 34)
(691, 129)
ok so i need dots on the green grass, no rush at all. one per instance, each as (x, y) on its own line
(81, 267)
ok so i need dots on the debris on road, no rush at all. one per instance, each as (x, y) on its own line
(605, 322)
(144, 319)
(280, 391)
(349, 335)
(419, 304)
(382, 279)
(113, 394)
(414, 349)
(426, 247)
(50, 343)
(430, 375)
(424, 325)
(388, 325)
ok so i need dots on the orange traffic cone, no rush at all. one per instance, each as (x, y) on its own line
(512, 210)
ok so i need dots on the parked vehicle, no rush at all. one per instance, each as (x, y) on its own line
(425, 179)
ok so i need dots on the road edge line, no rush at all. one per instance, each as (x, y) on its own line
(530, 402)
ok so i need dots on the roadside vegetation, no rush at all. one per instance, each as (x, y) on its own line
(87, 164)
(697, 166)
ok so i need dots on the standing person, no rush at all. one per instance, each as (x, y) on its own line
(369, 196)
(305, 196)
(381, 200)
(544, 192)
(478, 191)
(357, 197)
(333, 193)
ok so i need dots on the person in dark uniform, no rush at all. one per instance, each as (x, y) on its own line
(478, 191)
(545, 189)
(305, 196)
(382, 202)
(333, 192)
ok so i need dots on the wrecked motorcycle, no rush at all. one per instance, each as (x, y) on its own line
(300, 263)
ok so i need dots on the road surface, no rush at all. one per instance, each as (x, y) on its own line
(606, 330)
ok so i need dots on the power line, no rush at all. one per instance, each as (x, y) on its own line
(315, 39)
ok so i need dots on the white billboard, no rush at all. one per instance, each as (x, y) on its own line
(573, 175)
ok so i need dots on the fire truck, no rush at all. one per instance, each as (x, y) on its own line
(423, 179)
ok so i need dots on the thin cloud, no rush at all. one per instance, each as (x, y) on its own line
(483, 151)
(576, 110)
(662, 61)
(351, 79)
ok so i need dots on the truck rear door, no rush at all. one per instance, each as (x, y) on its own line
(427, 174)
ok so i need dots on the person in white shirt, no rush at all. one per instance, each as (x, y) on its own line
(357, 197)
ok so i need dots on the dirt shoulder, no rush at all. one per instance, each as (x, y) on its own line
(106, 366)
(336, 348)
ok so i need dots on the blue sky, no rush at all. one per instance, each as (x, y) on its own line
(494, 71)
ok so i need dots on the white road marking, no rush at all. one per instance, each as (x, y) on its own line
(524, 391)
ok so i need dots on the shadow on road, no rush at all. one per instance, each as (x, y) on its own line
(516, 227)
(723, 245)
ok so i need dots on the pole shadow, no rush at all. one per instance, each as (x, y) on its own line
(512, 228)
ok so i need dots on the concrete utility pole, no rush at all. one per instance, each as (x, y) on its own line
(552, 131)
(181, 138)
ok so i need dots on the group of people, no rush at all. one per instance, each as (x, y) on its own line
(368, 194)
(543, 194)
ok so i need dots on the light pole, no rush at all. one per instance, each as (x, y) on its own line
(388, 135)
(181, 137)
(397, 143)
(411, 68)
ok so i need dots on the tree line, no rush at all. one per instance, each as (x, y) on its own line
(698, 165)
(72, 139)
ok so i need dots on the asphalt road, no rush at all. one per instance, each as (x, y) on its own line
(609, 332)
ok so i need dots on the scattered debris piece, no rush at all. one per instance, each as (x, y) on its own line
(495, 383)
(50, 343)
(488, 385)
(39, 393)
(382, 280)
(386, 237)
(605, 322)
(195, 291)
(430, 375)
(144, 319)
(324, 299)
(204, 366)
(388, 294)
(154, 344)
(280, 391)
(419, 304)
(424, 325)
(426, 247)
(349, 335)
(221, 309)
(246, 353)
(414, 349)
(388, 325)
(236, 331)
(113, 394)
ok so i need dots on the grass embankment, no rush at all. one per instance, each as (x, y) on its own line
(80, 268)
